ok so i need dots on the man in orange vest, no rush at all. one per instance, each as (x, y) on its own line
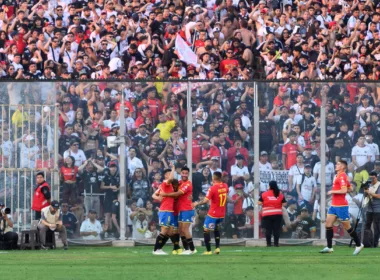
(42, 195)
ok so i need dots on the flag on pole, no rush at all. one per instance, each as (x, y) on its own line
(184, 52)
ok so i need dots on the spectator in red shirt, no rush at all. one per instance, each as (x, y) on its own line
(154, 103)
(289, 151)
(278, 100)
(144, 110)
(227, 64)
(208, 151)
(239, 218)
(68, 174)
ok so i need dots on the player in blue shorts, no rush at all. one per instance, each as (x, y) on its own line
(339, 208)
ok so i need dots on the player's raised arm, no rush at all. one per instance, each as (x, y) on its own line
(171, 176)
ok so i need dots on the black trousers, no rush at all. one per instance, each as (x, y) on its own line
(375, 219)
(37, 215)
(10, 237)
(272, 225)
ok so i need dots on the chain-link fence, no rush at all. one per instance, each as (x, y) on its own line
(288, 130)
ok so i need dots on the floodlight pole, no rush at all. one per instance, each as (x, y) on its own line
(189, 128)
(122, 168)
(323, 167)
(256, 149)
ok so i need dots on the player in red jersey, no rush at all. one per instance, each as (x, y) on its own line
(165, 215)
(339, 208)
(173, 234)
(186, 212)
(217, 195)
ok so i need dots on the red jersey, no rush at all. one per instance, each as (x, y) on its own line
(227, 65)
(291, 154)
(217, 194)
(69, 173)
(197, 151)
(167, 202)
(213, 151)
(278, 101)
(185, 200)
(340, 181)
(238, 206)
(127, 104)
(155, 107)
(40, 163)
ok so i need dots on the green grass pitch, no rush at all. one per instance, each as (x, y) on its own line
(296, 262)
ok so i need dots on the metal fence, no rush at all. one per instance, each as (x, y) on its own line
(236, 117)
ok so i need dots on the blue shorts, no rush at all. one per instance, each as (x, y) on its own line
(341, 212)
(212, 223)
(175, 221)
(186, 216)
(166, 219)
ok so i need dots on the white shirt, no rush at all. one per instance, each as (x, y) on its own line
(79, 157)
(133, 164)
(71, 116)
(53, 54)
(109, 123)
(235, 170)
(67, 56)
(139, 228)
(25, 153)
(296, 172)
(324, 20)
(263, 167)
(17, 66)
(374, 150)
(7, 150)
(329, 169)
(361, 154)
(88, 226)
(307, 186)
(351, 24)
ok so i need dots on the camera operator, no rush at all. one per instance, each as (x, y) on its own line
(6, 228)
(373, 206)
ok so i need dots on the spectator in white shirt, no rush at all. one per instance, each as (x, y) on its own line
(361, 153)
(264, 166)
(239, 170)
(330, 172)
(112, 120)
(91, 228)
(373, 147)
(295, 172)
(134, 162)
(75, 152)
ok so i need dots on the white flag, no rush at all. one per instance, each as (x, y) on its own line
(184, 52)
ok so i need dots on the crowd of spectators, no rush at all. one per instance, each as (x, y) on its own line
(293, 41)
(120, 39)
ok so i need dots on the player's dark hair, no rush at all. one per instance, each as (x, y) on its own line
(273, 186)
(167, 170)
(40, 174)
(185, 168)
(175, 182)
(217, 176)
(343, 162)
